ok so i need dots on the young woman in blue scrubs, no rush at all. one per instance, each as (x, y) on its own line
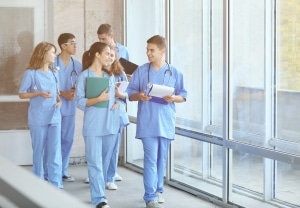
(40, 86)
(116, 68)
(155, 121)
(100, 125)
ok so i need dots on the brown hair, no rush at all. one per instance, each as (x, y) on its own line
(116, 67)
(104, 29)
(89, 56)
(37, 59)
(158, 40)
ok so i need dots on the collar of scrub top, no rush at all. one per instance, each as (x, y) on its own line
(73, 74)
(168, 70)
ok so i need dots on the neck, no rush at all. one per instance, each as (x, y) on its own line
(97, 68)
(65, 57)
(45, 68)
(158, 64)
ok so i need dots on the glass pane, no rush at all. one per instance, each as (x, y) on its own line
(288, 88)
(192, 164)
(186, 55)
(288, 183)
(216, 68)
(247, 179)
(247, 72)
(134, 151)
(139, 30)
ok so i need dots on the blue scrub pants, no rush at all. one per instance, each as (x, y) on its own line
(47, 139)
(113, 165)
(155, 158)
(98, 150)
(67, 138)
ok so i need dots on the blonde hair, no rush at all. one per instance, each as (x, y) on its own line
(38, 56)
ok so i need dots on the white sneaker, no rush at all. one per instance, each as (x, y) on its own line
(87, 180)
(111, 186)
(153, 204)
(160, 197)
(118, 177)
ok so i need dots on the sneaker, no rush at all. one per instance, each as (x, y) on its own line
(68, 178)
(160, 197)
(118, 177)
(87, 180)
(153, 204)
(111, 186)
(102, 205)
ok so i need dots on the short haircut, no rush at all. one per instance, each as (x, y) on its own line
(64, 38)
(158, 40)
(104, 29)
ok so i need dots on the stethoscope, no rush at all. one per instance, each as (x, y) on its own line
(166, 71)
(73, 74)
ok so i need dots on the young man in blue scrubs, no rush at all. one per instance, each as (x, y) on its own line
(155, 120)
(68, 69)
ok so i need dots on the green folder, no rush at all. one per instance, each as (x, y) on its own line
(94, 87)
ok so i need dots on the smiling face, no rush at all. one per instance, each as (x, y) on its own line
(112, 57)
(154, 54)
(104, 57)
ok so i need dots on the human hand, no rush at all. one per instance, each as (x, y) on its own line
(143, 96)
(45, 94)
(169, 98)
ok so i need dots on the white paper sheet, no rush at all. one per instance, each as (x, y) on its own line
(160, 90)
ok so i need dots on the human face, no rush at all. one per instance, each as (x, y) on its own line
(112, 57)
(50, 56)
(70, 46)
(104, 57)
(105, 38)
(154, 53)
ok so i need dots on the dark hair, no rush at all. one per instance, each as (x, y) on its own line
(89, 56)
(64, 38)
(158, 40)
(104, 29)
(38, 56)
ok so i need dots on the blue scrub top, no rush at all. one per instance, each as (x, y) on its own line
(41, 111)
(67, 78)
(97, 121)
(122, 51)
(155, 119)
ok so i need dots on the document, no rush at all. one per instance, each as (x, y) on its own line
(129, 67)
(157, 92)
(94, 87)
(122, 85)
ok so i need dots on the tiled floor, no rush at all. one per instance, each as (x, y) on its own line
(130, 191)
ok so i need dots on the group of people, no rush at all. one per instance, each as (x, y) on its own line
(56, 85)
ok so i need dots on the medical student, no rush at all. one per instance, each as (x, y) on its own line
(117, 70)
(155, 121)
(106, 35)
(40, 84)
(100, 125)
(69, 68)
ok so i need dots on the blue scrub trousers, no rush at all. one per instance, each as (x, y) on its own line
(155, 158)
(47, 139)
(67, 138)
(98, 151)
(113, 165)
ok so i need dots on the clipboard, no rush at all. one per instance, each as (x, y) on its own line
(94, 87)
(129, 67)
(157, 92)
